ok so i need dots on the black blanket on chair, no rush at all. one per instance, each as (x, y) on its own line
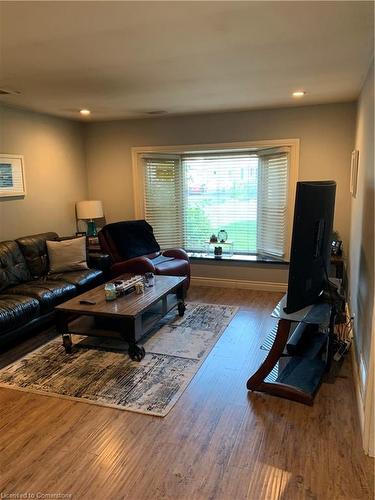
(132, 238)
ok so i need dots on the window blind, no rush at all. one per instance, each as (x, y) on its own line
(163, 199)
(191, 196)
(220, 193)
(272, 202)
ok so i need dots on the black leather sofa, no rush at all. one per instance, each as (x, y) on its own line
(28, 293)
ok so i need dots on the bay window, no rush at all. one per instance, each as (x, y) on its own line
(189, 196)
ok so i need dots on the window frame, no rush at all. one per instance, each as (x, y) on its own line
(138, 171)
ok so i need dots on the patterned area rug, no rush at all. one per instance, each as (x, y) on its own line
(100, 371)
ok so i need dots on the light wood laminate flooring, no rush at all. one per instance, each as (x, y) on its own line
(218, 442)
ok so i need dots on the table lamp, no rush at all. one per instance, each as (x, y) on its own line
(89, 210)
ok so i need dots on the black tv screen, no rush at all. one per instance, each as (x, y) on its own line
(311, 243)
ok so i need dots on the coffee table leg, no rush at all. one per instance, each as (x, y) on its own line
(133, 331)
(136, 353)
(62, 328)
(67, 343)
(181, 307)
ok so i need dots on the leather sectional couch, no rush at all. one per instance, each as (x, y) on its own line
(28, 293)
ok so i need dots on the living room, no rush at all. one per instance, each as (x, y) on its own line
(170, 84)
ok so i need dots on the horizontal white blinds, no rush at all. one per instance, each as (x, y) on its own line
(191, 196)
(162, 200)
(272, 203)
(220, 193)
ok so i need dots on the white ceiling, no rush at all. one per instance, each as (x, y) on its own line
(124, 59)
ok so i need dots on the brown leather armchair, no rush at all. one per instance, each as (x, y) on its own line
(134, 249)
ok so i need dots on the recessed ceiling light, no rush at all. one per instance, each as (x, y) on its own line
(299, 93)
(9, 92)
(85, 112)
(156, 112)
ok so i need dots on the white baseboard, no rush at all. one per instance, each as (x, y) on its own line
(242, 284)
(357, 388)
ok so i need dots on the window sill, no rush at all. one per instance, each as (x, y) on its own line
(247, 259)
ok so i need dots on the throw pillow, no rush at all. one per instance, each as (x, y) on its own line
(67, 255)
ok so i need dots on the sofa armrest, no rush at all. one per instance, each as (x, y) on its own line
(138, 265)
(177, 253)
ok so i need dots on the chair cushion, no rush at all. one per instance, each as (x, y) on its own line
(49, 293)
(34, 249)
(81, 279)
(175, 267)
(16, 310)
(13, 268)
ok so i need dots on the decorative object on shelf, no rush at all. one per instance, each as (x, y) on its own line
(89, 210)
(226, 249)
(218, 251)
(12, 175)
(222, 236)
(213, 238)
(354, 172)
(336, 248)
(149, 279)
(336, 244)
(110, 291)
(92, 241)
(93, 245)
(139, 288)
(124, 287)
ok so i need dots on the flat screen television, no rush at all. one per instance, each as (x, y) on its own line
(311, 243)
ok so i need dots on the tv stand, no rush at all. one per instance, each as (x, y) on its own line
(299, 354)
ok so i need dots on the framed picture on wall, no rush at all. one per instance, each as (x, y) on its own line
(354, 173)
(12, 175)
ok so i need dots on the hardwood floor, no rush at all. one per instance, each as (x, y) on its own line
(219, 441)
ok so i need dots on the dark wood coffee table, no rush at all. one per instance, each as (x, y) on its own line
(129, 317)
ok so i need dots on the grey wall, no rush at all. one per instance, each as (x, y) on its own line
(361, 268)
(326, 133)
(240, 272)
(56, 160)
(54, 156)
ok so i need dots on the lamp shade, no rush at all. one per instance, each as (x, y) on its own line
(89, 209)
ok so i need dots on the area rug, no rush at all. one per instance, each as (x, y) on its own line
(100, 371)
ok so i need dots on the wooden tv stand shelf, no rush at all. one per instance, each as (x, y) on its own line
(299, 355)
